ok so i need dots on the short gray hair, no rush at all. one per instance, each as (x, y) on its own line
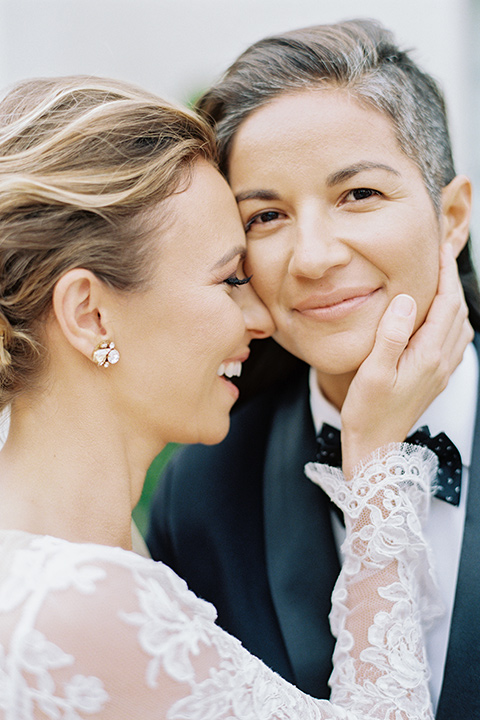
(358, 55)
(361, 56)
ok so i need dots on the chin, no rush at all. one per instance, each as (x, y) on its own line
(214, 439)
(213, 432)
(342, 355)
(335, 368)
(336, 354)
(335, 364)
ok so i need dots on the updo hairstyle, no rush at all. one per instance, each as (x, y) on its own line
(82, 160)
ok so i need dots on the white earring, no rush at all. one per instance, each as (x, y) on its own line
(105, 354)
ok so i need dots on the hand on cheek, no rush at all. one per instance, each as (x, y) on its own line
(404, 373)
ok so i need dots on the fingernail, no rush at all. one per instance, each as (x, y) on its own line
(403, 305)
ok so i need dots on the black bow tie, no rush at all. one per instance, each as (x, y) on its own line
(449, 475)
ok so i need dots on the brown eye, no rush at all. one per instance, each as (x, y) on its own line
(267, 216)
(262, 218)
(362, 193)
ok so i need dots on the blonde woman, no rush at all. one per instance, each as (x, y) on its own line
(124, 312)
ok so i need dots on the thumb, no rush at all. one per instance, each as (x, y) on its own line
(394, 332)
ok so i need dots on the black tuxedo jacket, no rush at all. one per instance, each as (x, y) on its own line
(249, 532)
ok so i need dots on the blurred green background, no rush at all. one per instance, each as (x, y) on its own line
(140, 514)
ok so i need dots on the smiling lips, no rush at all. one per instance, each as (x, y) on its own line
(229, 369)
(335, 305)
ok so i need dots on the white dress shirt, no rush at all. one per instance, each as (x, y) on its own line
(452, 412)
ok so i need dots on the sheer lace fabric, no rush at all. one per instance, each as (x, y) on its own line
(89, 631)
(380, 667)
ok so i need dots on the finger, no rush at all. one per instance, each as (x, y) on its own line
(393, 333)
(451, 293)
(446, 331)
(465, 337)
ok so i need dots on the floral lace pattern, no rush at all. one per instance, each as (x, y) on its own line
(384, 506)
(89, 631)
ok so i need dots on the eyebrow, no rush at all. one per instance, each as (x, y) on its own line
(333, 179)
(238, 250)
(348, 172)
(257, 195)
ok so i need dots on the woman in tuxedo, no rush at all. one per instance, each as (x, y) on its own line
(124, 313)
(336, 145)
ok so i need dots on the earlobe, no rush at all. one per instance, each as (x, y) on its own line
(77, 305)
(456, 212)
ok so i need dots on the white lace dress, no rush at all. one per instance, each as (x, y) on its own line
(89, 631)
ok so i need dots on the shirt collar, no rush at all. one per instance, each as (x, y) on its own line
(452, 412)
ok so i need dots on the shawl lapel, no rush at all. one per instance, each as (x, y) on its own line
(302, 562)
(460, 696)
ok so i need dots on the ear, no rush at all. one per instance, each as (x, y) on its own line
(81, 309)
(456, 211)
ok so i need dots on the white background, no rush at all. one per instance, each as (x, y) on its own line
(177, 47)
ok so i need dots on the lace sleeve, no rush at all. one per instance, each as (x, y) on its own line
(92, 632)
(380, 668)
(88, 631)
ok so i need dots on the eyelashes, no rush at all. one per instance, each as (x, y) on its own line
(356, 196)
(235, 281)
(363, 193)
(262, 218)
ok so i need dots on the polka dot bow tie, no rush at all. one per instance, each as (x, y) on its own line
(449, 475)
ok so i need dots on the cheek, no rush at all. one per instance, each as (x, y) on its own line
(405, 248)
(268, 269)
(217, 332)
(419, 277)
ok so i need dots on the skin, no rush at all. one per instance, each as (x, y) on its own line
(204, 321)
(338, 222)
(398, 380)
(80, 442)
(103, 426)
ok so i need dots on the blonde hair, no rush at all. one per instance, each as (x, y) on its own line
(81, 160)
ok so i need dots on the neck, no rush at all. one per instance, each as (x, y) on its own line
(69, 471)
(335, 387)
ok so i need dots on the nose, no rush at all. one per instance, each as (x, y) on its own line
(258, 321)
(316, 245)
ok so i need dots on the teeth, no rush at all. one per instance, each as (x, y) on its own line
(233, 369)
(230, 369)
